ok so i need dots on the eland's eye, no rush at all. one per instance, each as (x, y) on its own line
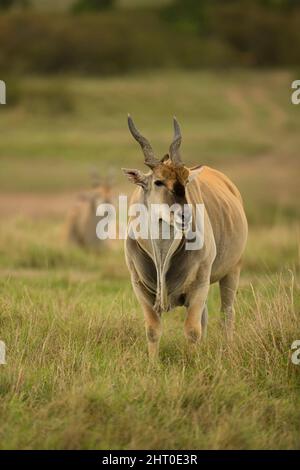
(158, 183)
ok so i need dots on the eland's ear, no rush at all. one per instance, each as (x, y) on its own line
(136, 177)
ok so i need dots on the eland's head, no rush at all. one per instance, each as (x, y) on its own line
(165, 183)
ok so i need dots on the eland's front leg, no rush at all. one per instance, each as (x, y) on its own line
(153, 331)
(194, 319)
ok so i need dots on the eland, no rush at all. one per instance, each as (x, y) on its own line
(164, 273)
(82, 219)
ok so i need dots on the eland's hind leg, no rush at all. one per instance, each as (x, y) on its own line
(228, 288)
(204, 321)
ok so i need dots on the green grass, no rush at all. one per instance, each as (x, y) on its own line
(77, 374)
(246, 127)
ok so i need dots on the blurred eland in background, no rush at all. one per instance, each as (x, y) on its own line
(82, 219)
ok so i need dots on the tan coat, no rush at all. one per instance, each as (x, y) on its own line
(189, 273)
(225, 236)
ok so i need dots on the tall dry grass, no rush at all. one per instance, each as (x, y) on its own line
(77, 373)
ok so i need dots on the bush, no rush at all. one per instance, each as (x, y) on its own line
(105, 44)
(7, 4)
(81, 6)
(115, 42)
(260, 37)
(261, 32)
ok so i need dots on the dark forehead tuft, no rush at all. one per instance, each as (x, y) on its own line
(168, 171)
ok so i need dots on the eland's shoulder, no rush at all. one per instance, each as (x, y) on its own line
(217, 180)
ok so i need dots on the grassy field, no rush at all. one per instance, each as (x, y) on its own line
(77, 374)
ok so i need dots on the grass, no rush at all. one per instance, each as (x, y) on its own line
(77, 374)
(247, 128)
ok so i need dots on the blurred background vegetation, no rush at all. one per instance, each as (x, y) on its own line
(74, 68)
(120, 36)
